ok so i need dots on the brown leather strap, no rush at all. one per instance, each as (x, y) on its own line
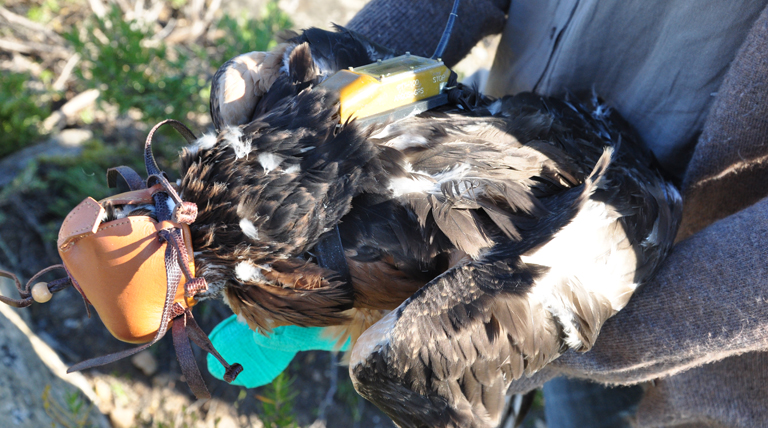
(26, 294)
(193, 285)
(184, 212)
(201, 339)
(111, 358)
(149, 158)
(135, 182)
(187, 358)
(134, 197)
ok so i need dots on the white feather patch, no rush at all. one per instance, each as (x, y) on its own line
(205, 142)
(270, 161)
(421, 182)
(406, 141)
(285, 68)
(246, 272)
(374, 337)
(386, 131)
(406, 185)
(323, 68)
(249, 229)
(233, 138)
(170, 204)
(293, 169)
(591, 255)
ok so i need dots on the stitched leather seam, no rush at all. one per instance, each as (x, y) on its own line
(69, 218)
(72, 243)
(95, 217)
(126, 221)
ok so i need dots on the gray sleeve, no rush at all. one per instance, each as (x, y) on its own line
(416, 26)
(709, 301)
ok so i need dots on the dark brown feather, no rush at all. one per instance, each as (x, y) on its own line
(463, 221)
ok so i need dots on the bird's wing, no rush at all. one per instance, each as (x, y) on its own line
(446, 356)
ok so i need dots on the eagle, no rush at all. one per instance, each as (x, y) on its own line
(480, 240)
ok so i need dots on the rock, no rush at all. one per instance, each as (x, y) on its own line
(104, 392)
(122, 417)
(32, 376)
(227, 421)
(72, 138)
(67, 143)
(222, 415)
(145, 362)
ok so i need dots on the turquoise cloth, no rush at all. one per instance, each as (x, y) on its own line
(263, 357)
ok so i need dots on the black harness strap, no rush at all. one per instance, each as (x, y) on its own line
(330, 254)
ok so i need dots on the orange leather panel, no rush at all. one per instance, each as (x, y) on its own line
(121, 270)
(81, 221)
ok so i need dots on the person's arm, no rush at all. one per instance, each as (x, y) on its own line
(709, 301)
(416, 26)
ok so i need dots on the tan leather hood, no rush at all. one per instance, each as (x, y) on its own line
(120, 265)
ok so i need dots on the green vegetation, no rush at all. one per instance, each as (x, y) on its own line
(141, 78)
(21, 112)
(133, 71)
(245, 35)
(132, 68)
(349, 396)
(277, 402)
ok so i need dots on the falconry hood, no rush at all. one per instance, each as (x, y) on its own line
(136, 269)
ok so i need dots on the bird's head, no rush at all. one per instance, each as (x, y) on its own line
(277, 175)
(266, 192)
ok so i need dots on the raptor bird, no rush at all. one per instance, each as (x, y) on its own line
(483, 239)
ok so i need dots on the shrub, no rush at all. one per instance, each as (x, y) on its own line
(133, 71)
(245, 35)
(20, 113)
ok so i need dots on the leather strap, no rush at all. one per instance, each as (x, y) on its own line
(201, 339)
(135, 182)
(184, 212)
(187, 358)
(134, 197)
(330, 254)
(26, 294)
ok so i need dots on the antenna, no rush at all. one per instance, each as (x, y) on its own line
(447, 32)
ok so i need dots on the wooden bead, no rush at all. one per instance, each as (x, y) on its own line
(41, 293)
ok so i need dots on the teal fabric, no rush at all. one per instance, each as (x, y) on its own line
(263, 357)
